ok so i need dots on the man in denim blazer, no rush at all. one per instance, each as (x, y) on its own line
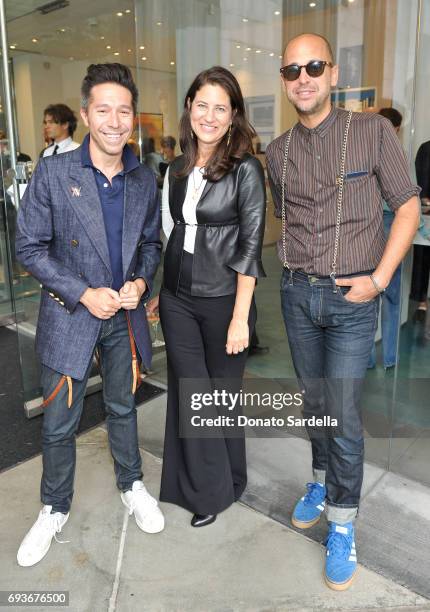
(88, 230)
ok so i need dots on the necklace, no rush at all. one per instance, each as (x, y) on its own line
(196, 189)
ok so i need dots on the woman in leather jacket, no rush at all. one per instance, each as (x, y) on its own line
(213, 214)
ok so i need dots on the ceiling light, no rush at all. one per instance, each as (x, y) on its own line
(245, 20)
(159, 23)
(237, 46)
(128, 11)
(280, 56)
(231, 65)
(271, 54)
(312, 4)
(35, 40)
(144, 59)
(102, 37)
(116, 53)
(245, 59)
(248, 48)
(71, 58)
(119, 14)
(12, 46)
(129, 50)
(172, 63)
(277, 13)
(141, 48)
(258, 50)
(62, 30)
(350, 1)
(108, 47)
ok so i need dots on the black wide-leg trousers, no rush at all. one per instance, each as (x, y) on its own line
(203, 475)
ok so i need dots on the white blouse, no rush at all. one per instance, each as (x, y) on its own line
(195, 186)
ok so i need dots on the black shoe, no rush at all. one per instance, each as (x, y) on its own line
(201, 520)
(258, 350)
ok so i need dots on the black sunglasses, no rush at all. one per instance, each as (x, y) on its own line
(315, 68)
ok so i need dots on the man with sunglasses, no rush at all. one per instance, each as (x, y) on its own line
(328, 175)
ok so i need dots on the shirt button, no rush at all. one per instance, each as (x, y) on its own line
(105, 185)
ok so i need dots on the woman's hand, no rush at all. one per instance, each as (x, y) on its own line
(152, 305)
(237, 336)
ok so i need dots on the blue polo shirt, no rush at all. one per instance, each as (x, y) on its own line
(112, 203)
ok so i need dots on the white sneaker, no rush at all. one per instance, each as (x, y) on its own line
(36, 543)
(148, 515)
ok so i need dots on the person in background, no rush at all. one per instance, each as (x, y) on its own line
(168, 144)
(59, 122)
(421, 264)
(152, 159)
(391, 298)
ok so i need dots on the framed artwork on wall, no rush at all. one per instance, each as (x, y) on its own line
(354, 98)
(151, 125)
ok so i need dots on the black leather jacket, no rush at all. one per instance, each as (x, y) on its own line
(231, 220)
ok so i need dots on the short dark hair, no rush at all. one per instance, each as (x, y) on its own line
(108, 73)
(225, 155)
(168, 141)
(62, 114)
(392, 115)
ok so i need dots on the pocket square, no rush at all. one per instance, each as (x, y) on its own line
(356, 174)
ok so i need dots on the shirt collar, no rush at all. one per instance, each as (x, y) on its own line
(63, 143)
(322, 128)
(129, 159)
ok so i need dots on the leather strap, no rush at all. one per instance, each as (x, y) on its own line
(137, 381)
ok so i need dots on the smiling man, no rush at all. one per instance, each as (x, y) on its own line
(328, 175)
(88, 230)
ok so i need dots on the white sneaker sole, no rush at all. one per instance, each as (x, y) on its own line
(29, 563)
(144, 527)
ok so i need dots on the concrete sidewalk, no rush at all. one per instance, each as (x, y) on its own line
(244, 561)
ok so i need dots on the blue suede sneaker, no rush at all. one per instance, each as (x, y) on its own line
(341, 556)
(308, 509)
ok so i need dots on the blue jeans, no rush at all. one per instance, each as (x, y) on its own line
(390, 311)
(330, 340)
(60, 423)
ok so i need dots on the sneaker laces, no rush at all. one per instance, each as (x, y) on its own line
(313, 496)
(52, 523)
(140, 495)
(339, 544)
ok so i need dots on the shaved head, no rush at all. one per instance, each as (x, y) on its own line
(306, 38)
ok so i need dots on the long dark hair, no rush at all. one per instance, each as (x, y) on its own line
(224, 157)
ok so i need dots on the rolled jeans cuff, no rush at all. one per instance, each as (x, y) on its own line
(319, 476)
(340, 515)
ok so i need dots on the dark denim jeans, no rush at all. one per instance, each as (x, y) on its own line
(390, 311)
(60, 423)
(330, 340)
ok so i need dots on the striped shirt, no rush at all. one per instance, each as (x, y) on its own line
(376, 169)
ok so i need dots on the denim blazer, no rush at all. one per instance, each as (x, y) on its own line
(61, 240)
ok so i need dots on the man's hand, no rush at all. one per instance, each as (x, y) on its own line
(237, 336)
(102, 303)
(362, 288)
(131, 292)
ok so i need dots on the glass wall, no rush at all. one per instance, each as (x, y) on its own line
(382, 64)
